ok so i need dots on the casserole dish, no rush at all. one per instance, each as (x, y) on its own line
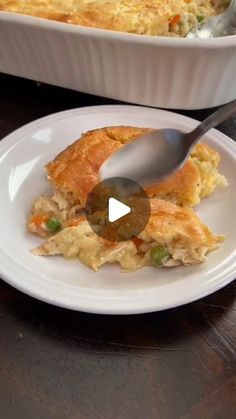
(154, 71)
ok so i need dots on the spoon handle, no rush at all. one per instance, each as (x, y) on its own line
(230, 16)
(212, 121)
(232, 7)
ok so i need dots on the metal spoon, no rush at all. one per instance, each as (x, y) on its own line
(152, 157)
(221, 25)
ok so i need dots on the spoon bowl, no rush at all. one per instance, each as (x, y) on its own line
(159, 153)
(217, 26)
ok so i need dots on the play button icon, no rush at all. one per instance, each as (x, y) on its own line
(117, 209)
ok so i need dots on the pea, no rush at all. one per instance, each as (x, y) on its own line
(53, 225)
(200, 18)
(159, 255)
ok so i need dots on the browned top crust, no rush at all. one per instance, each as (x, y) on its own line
(74, 172)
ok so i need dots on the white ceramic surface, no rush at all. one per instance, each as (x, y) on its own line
(70, 284)
(153, 71)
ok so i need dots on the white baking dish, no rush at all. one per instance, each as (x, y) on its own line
(153, 71)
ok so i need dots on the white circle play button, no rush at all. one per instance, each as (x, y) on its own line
(117, 209)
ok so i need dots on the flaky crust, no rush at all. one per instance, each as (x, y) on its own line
(183, 187)
(169, 222)
(74, 172)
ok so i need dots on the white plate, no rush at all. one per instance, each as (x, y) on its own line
(69, 283)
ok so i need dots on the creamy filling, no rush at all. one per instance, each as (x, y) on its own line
(82, 243)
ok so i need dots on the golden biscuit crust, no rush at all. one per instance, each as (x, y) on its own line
(182, 188)
(170, 222)
(74, 172)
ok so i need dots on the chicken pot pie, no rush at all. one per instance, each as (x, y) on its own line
(173, 235)
(152, 17)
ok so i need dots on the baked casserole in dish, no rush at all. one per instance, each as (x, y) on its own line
(129, 50)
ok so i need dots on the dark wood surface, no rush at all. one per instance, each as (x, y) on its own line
(60, 364)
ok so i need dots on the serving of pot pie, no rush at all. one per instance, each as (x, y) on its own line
(152, 17)
(174, 234)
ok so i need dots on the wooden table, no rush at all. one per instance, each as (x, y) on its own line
(58, 364)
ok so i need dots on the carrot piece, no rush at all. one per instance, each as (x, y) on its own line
(108, 243)
(74, 222)
(137, 242)
(175, 20)
(39, 219)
